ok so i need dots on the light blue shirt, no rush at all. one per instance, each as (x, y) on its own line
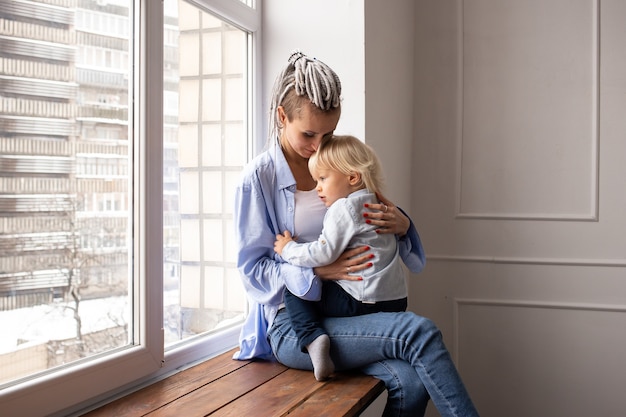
(344, 228)
(264, 207)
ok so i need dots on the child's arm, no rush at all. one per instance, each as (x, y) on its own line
(281, 241)
(340, 225)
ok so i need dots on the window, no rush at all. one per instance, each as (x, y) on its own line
(205, 147)
(115, 194)
(55, 247)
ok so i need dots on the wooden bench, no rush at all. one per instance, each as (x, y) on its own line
(222, 386)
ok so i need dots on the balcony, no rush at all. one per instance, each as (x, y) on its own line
(35, 164)
(102, 79)
(37, 49)
(37, 87)
(21, 125)
(33, 204)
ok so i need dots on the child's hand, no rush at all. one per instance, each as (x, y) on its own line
(281, 241)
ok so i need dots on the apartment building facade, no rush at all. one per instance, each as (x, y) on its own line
(64, 171)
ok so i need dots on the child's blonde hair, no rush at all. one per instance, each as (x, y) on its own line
(347, 154)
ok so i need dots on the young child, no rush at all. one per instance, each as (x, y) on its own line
(348, 175)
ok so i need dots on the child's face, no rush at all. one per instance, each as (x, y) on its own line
(332, 185)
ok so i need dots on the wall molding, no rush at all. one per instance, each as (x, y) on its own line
(593, 214)
(457, 303)
(518, 260)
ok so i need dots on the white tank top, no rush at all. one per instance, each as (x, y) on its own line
(308, 216)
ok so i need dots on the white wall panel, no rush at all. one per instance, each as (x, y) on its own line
(518, 195)
(529, 135)
(529, 349)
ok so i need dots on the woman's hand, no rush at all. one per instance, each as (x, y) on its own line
(387, 217)
(351, 261)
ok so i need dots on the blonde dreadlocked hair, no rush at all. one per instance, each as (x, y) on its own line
(347, 154)
(303, 80)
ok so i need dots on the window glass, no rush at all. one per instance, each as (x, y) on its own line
(205, 146)
(65, 182)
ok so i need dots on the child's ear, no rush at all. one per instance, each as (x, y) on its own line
(355, 178)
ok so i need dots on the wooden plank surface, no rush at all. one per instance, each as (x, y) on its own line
(227, 390)
(284, 393)
(223, 387)
(156, 395)
(297, 393)
(348, 395)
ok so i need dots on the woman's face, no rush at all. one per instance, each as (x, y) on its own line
(303, 134)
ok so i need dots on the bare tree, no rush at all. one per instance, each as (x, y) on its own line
(70, 256)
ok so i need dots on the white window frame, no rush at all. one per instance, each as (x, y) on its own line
(84, 385)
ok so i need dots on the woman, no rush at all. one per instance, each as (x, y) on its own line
(277, 193)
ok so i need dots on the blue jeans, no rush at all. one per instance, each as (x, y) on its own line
(306, 315)
(404, 350)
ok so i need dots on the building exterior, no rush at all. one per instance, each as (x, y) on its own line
(64, 150)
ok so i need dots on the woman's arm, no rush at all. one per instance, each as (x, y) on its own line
(351, 261)
(391, 219)
(263, 275)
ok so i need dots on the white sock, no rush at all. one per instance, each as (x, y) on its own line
(319, 350)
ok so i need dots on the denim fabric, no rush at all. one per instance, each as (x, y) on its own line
(336, 302)
(306, 315)
(406, 395)
(381, 344)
